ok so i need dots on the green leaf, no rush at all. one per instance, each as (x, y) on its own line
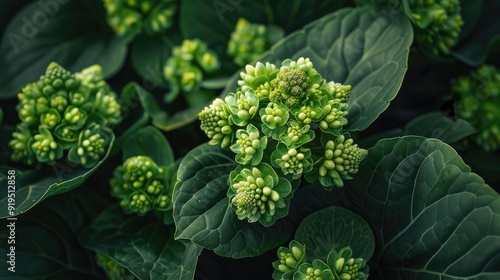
(432, 217)
(37, 36)
(202, 212)
(148, 56)
(362, 47)
(334, 228)
(32, 187)
(437, 125)
(150, 142)
(144, 245)
(474, 48)
(46, 246)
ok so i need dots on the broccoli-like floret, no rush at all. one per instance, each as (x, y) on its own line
(131, 17)
(142, 186)
(249, 40)
(55, 112)
(476, 101)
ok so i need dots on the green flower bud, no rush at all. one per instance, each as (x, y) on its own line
(216, 124)
(51, 118)
(290, 86)
(339, 92)
(255, 76)
(142, 185)
(107, 106)
(45, 148)
(21, 145)
(75, 116)
(297, 135)
(258, 194)
(309, 113)
(340, 159)
(289, 259)
(437, 24)
(344, 266)
(92, 143)
(249, 148)
(333, 118)
(292, 161)
(316, 270)
(243, 106)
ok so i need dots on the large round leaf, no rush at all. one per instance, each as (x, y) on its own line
(432, 218)
(334, 228)
(202, 212)
(66, 32)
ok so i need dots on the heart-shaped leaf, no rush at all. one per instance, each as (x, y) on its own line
(432, 218)
(202, 212)
(150, 142)
(334, 228)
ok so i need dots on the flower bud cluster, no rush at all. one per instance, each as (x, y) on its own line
(131, 17)
(438, 23)
(476, 101)
(292, 264)
(185, 69)
(113, 270)
(249, 40)
(258, 194)
(142, 186)
(276, 117)
(57, 111)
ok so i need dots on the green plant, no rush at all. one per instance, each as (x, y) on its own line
(344, 147)
(64, 111)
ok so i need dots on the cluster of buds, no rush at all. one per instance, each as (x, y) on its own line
(476, 101)
(113, 270)
(64, 111)
(292, 264)
(438, 23)
(131, 17)
(142, 186)
(249, 40)
(185, 69)
(277, 115)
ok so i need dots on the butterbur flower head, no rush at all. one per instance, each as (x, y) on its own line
(91, 146)
(297, 135)
(258, 194)
(317, 270)
(249, 146)
(341, 159)
(344, 266)
(243, 106)
(257, 75)
(310, 112)
(333, 118)
(274, 115)
(216, 124)
(339, 92)
(21, 145)
(292, 161)
(45, 148)
(141, 185)
(289, 259)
